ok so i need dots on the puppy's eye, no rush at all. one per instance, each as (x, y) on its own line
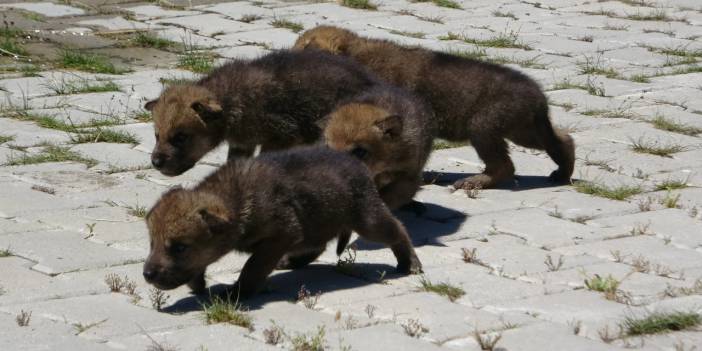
(359, 152)
(179, 139)
(178, 248)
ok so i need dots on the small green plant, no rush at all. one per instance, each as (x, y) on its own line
(359, 4)
(151, 40)
(248, 18)
(452, 292)
(670, 200)
(622, 192)
(74, 59)
(639, 78)
(659, 14)
(314, 342)
(506, 39)
(504, 14)
(660, 322)
(23, 318)
(143, 116)
(196, 61)
(51, 153)
(8, 42)
(82, 86)
(644, 146)
(671, 184)
(447, 3)
(102, 135)
(6, 138)
(283, 23)
(607, 285)
(137, 211)
(5, 252)
(662, 123)
(80, 327)
(414, 328)
(225, 311)
(594, 65)
(346, 262)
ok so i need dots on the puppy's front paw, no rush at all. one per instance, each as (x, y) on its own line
(413, 267)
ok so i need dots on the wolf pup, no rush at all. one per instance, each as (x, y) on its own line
(273, 101)
(280, 206)
(391, 131)
(472, 100)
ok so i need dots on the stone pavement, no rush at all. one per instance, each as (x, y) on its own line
(526, 267)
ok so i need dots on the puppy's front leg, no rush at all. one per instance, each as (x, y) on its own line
(261, 263)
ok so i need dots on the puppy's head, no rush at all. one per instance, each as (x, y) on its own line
(326, 38)
(188, 122)
(368, 132)
(188, 231)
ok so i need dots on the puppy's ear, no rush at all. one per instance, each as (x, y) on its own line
(215, 219)
(207, 110)
(390, 126)
(149, 105)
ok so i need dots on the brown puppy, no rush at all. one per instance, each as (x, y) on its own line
(274, 101)
(390, 130)
(472, 100)
(279, 203)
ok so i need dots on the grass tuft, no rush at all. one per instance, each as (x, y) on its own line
(82, 86)
(101, 135)
(51, 153)
(506, 39)
(622, 192)
(418, 35)
(359, 4)
(452, 292)
(6, 138)
(672, 184)
(225, 311)
(662, 123)
(151, 40)
(74, 59)
(644, 146)
(607, 285)
(196, 61)
(293, 26)
(661, 322)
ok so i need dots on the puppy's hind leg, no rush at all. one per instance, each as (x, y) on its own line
(492, 149)
(300, 259)
(399, 194)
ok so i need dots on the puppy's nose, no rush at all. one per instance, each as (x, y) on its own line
(158, 161)
(150, 274)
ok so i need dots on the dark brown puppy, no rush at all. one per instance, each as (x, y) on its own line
(391, 131)
(273, 101)
(279, 203)
(472, 100)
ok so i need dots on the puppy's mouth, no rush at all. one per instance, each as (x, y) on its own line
(167, 284)
(175, 170)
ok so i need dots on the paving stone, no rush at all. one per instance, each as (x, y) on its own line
(42, 334)
(662, 259)
(669, 224)
(593, 310)
(152, 11)
(382, 335)
(116, 23)
(47, 9)
(62, 251)
(113, 315)
(114, 156)
(208, 24)
(212, 338)
(541, 336)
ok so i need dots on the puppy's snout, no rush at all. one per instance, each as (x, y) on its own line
(158, 160)
(150, 274)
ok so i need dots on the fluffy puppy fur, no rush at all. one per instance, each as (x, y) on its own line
(472, 100)
(280, 207)
(390, 130)
(274, 101)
